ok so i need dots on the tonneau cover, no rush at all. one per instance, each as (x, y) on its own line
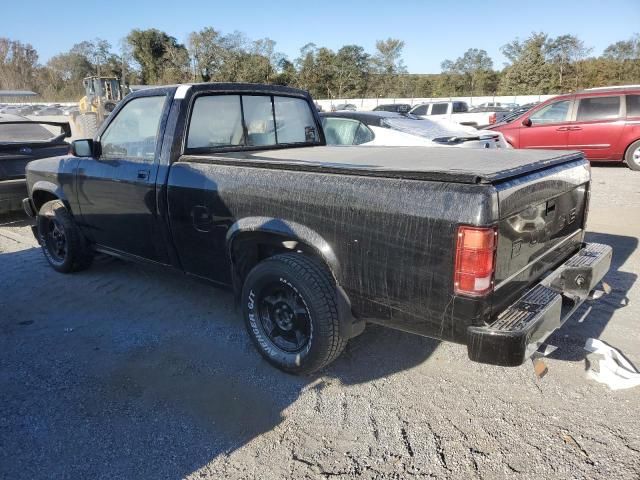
(445, 164)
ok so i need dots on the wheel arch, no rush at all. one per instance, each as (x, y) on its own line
(251, 239)
(628, 147)
(44, 191)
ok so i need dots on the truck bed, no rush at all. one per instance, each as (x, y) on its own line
(457, 165)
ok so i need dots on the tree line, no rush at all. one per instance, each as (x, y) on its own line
(538, 64)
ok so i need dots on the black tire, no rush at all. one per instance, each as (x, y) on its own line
(632, 157)
(64, 246)
(302, 291)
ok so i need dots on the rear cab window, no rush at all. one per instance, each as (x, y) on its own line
(439, 108)
(598, 108)
(232, 121)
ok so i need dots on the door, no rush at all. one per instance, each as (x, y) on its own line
(116, 191)
(547, 127)
(598, 127)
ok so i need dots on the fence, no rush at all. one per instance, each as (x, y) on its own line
(371, 103)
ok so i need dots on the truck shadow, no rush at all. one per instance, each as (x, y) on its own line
(592, 317)
(149, 374)
(152, 375)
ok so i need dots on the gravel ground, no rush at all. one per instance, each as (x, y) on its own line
(125, 371)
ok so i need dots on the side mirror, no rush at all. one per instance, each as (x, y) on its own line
(527, 122)
(83, 148)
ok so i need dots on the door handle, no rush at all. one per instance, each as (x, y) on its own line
(573, 129)
(562, 129)
(143, 174)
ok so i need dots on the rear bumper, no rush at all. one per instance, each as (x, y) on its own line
(521, 328)
(11, 194)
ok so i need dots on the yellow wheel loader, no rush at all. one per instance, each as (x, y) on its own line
(102, 94)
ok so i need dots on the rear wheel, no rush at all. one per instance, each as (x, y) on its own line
(633, 156)
(87, 125)
(291, 313)
(63, 245)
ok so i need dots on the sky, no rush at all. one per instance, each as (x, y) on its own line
(432, 31)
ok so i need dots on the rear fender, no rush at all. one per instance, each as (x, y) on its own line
(288, 230)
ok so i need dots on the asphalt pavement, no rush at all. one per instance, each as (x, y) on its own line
(132, 372)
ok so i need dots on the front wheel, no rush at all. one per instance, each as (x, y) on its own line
(633, 156)
(291, 313)
(62, 242)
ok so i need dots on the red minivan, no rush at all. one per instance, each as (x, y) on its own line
(602, 122)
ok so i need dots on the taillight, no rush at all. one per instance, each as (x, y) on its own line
(492, 118)
(475, 260)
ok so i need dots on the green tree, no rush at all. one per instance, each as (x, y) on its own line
(529, 72)
(161, 58)
(475, 69)
(388, 64)
(18, 65)
(563, 53)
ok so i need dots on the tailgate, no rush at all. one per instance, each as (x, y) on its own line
(542, 218)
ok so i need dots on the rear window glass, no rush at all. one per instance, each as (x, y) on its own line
(29, 132)
(633, 105)
(216, 121)
(598, 108)
(220, 121)
(439, 108)
(294, 121)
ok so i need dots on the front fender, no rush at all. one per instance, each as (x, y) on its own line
(50, 188)
(290, 230)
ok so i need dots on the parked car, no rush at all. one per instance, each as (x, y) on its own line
(458, 112)
(518, 112)
(21, 141)
(393, 107)
(603, 123)
(480, 247)
(343, 106)
(48, 111)
(395, 129)
(10, 109)
(508, 106)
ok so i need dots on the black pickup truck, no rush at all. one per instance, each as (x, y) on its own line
(233, 183)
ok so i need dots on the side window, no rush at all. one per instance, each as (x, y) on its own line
(363, 135)
(216, 121)
(553, 113)
(133, 134)
(439, 109)
(294, 121)
(460, 107)
(633, 105)
(420, 110)
(258, 117)
(598, 108)
(340, 131)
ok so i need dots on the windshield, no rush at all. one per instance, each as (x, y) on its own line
(425, 128)
(29, 132)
